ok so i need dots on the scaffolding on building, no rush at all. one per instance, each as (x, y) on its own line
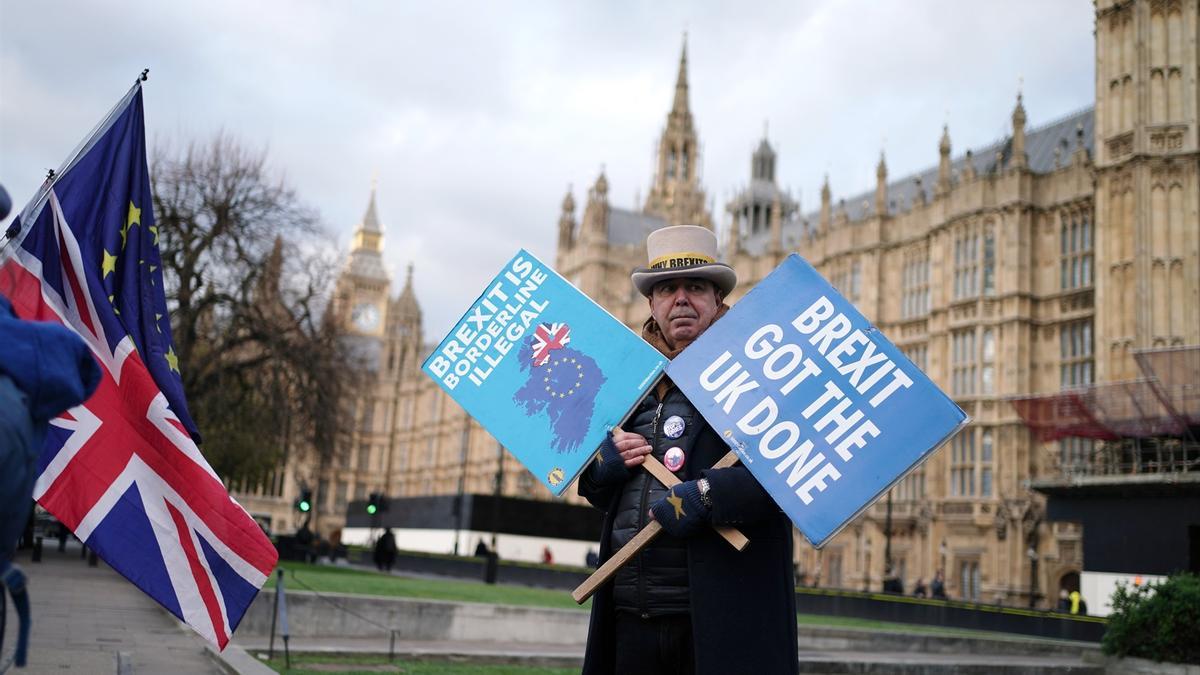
(1148, 425)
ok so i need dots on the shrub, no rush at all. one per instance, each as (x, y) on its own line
(1156, 621)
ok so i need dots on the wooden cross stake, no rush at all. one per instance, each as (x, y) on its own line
(651, 530)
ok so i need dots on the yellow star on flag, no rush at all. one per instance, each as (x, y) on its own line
(677, 502)
(172, 360)
(134, 218)
(109, 264)
(154, 231)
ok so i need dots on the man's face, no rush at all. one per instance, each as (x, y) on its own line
(683, 308)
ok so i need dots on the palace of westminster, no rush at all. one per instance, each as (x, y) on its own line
(1034, 265)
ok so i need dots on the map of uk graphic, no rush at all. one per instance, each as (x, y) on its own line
(563, 383)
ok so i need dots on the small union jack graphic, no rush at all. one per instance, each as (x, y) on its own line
(547, 338)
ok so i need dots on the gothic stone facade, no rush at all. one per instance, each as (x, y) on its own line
(1027, 266)
(1031, 265)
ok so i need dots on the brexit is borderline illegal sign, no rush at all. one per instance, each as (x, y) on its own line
(823, 410)
(544, 369)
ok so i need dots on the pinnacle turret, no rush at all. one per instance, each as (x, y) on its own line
(680, 107)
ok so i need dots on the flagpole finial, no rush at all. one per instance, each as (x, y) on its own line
(144, 76)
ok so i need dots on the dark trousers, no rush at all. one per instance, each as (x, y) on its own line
(655, 646)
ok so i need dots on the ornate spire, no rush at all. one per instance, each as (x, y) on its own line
(1080, 154)
(881, 191)
(566, 222)
(680, 106)
(1018, 143)
(762, 164)
(676, 195)
(826, 206)
(272, 272)
(366, 248)
(776, 245)
(370, 221)
(594, 223)
(408, 298)
(943, 180)
(601, 187)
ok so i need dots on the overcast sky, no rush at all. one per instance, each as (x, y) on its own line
(477, 116)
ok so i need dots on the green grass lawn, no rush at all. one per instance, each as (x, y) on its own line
(871, 624)
(318, 664)
(329, 579)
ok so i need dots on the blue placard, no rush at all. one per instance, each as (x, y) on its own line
(544, 369)
(820, 406)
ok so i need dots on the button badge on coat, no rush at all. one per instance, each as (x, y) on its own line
(674, 458)
(674, 426)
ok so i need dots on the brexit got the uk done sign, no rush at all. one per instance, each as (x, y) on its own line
(544, 369)
(820, 406)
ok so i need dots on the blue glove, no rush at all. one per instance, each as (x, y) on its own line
(681, 513)
(609, 468)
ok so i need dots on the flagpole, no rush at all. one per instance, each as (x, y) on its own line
(34, 207)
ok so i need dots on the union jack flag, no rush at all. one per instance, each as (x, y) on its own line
(122, 470)
(548, 337)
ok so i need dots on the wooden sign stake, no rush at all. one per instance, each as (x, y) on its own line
(648, 533)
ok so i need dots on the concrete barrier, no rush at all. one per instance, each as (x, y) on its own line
(336, 615)
(339, 615)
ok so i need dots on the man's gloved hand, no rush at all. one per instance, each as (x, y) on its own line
(681, 513)
(609, 468)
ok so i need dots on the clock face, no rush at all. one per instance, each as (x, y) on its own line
(365, 316)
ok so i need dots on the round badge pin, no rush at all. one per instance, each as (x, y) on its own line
(674, 426)
(674, 458)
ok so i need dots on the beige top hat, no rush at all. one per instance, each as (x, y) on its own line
(683, 251)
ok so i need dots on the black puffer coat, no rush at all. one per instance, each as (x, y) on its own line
(655, 583)
(743, 605)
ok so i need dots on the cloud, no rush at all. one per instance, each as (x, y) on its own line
(477, 116)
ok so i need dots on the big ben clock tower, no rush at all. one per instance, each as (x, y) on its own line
(362, 292)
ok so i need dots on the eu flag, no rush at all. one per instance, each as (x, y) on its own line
(122, 470)
(106, 191)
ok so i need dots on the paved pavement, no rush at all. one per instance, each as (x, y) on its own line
(811, 661)
(91, 620)
(529, 654)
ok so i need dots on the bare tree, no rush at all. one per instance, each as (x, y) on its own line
(249, 276)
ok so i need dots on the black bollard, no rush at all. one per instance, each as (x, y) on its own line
(492, 568)
(275, 615)
(92, 561)
(37, 550)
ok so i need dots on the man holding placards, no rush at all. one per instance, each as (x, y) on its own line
(688, 602)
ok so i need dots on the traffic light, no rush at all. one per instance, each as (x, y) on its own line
(304, 501)
(376, 502)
